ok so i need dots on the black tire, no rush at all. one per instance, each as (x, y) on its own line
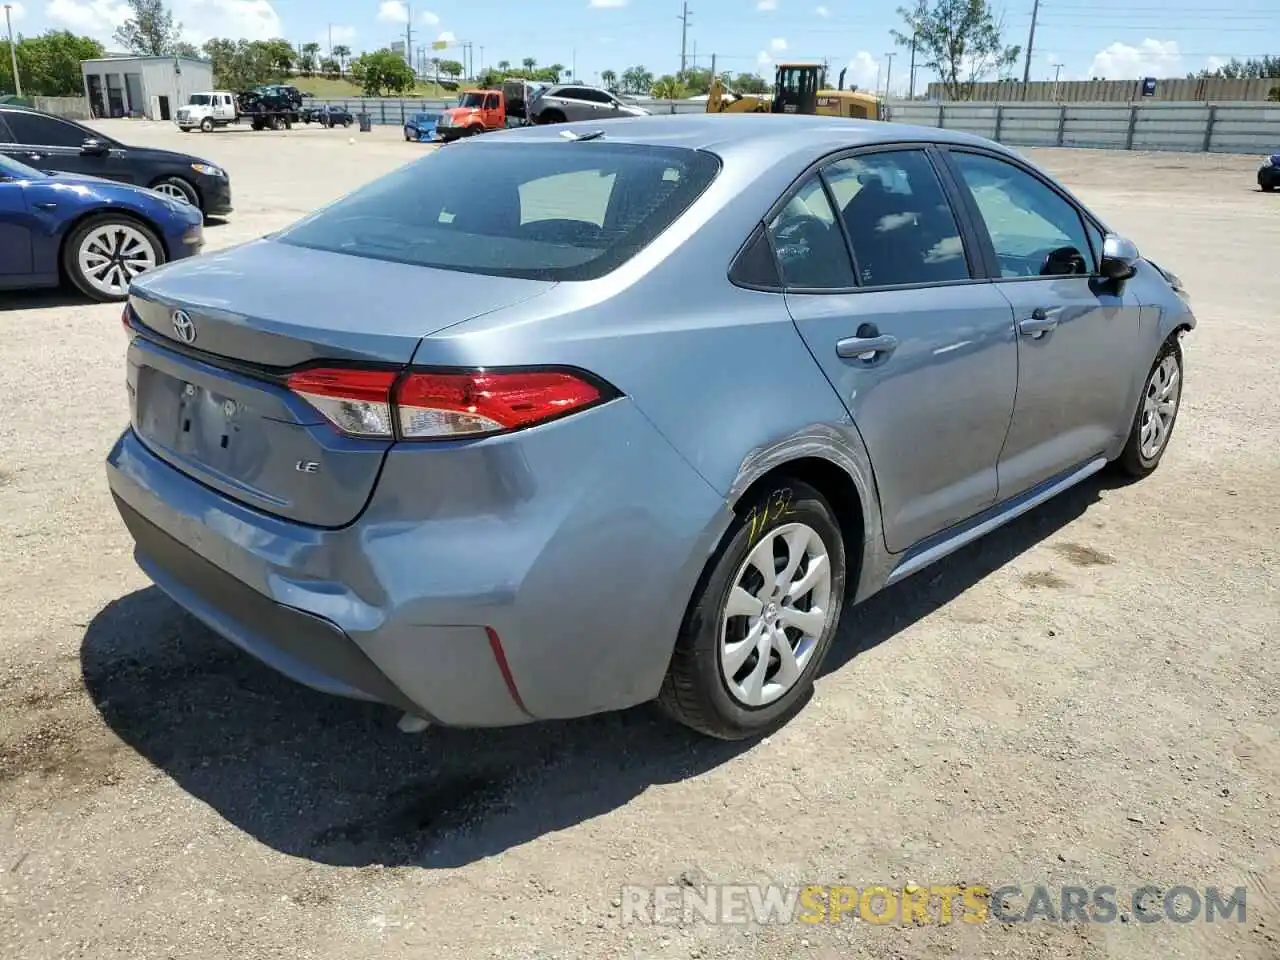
(193, 197)
(206, 125)
(346, 123)
(71, 250)
(1267, 187)
(694, 691)
(259, 125)
(1131, 459)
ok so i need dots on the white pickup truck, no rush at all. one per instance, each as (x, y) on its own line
(208, 110)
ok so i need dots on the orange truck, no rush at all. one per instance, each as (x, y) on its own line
(477, 111)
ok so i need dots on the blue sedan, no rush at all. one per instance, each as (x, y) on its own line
(97, 233)
(419, 124)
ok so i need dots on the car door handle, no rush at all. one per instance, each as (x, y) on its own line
(1039, 323)
(45, 206)
(865, 348)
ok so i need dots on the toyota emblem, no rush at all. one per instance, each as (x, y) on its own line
(183, 327)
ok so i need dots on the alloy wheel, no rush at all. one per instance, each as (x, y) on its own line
(778, 608)
(1160, 407)
(172, 190)
(112, 255)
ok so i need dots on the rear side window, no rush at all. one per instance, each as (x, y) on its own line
(811, 249)
(540, 211)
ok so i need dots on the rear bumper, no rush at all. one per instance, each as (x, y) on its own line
(528, 577)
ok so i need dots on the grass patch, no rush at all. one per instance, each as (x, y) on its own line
(329, 88)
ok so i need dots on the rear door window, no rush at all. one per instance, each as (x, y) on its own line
(900, 223)
(543, 211)
(37, 130)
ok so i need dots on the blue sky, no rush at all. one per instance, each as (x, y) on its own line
(1088, 37)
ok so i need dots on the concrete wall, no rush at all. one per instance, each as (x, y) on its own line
(73, 108)
(1112, 91)
(1216, 127)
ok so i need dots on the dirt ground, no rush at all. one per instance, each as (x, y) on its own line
(1088, 697)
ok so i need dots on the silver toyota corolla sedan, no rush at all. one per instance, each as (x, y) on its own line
(629, 412)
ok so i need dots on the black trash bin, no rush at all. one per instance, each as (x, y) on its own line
(366, 122)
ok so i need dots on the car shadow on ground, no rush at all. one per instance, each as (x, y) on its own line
(43, 299)
(333, 781)
(215, 221)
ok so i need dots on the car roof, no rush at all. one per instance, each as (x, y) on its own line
(728, 134)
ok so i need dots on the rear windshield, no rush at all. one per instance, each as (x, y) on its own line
(540, 211)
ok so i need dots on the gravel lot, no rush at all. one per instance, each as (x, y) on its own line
(1086, 697)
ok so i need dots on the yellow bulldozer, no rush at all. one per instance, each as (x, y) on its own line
(797, 88)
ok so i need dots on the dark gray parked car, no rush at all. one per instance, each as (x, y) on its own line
(574, 103)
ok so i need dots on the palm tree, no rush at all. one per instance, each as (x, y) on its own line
(340, 53)
(504, 65)
(668, 88)
(529, 63)
(609, 79)
(308, 59)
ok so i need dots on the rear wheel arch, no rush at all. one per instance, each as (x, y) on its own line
(836, 485)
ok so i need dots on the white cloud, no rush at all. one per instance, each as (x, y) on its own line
(778, 44)
(767, 5)
(1150, 58)
(96, 18)
(447, 37)
(341, 35)
(863, 72)
(763, 59)
(251, 19)
(607, 4)
(822, 11)
(429, 18)
(393, 11)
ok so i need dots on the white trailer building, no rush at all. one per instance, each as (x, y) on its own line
(151, 87)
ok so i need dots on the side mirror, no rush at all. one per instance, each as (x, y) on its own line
(1119, 257)
(94, 147)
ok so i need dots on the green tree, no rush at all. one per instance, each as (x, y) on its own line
(330, 67)
(610, 79)
(504, 66)
(341, 52)
(529, 63)
(151, 31)
(49, 64)
(451, 68)
(382, 73)
(960, 40)
(1251, 68)
(239, 64)
(636, 80)
(747, 83)
(309, 59)
(669, 88)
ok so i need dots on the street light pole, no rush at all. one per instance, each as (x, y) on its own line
(888, 74)
(13, 51)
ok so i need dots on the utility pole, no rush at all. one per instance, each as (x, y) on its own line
(331, 41)
(713, 66)
(911, 81)
(408, 34)
(684, 37)
(888, 74)
(13, 51)
(1031, 40)
(1057, 69)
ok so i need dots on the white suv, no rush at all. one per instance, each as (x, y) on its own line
(208, 110)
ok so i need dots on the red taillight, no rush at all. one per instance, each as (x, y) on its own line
(124, 319)
(439, 405)
(463, 404)
(357, 402)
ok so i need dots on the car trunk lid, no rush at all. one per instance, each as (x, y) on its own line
(207, 378)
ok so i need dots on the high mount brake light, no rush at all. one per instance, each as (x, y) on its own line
(440, 405)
